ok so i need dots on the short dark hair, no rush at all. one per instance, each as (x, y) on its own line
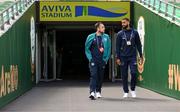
(127, 19)
(98, 24)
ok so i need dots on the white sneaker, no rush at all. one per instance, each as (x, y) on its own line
(92, 96)
(125, 95)
(98, 95)
(133, 94)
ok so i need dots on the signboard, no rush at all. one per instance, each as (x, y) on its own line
(83, 11)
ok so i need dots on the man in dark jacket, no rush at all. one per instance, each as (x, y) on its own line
(127, 44)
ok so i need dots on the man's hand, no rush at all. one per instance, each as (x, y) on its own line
(141, 60)
(118, 61)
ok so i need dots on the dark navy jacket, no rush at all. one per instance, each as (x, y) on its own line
(122, 49)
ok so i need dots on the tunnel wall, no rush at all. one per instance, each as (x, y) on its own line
(16, 75)
(161, 48)
(162, 53)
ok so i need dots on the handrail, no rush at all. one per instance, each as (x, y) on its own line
(14, 10)
(163, 8)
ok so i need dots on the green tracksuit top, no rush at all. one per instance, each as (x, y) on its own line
(106, 43)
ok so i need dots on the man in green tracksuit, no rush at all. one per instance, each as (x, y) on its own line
(97, 50)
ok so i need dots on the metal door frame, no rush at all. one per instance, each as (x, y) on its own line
(45, 66)
(113, 67)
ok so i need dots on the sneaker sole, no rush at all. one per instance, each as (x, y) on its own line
(92, 97)
(125, 96)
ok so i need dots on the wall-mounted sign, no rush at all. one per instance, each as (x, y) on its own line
(83, 11)
(8, 80)
(141, 31)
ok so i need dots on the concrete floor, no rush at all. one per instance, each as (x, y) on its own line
(73, 97)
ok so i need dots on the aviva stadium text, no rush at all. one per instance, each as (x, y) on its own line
(56, 11)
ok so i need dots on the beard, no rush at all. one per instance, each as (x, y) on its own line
(125, 27)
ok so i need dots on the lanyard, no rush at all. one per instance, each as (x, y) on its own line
(131, 36)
